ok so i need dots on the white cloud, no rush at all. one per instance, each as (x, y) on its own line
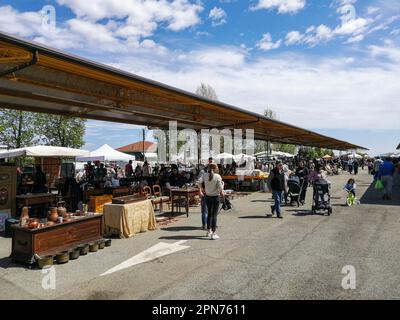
(141, 16)
(372, 10)
(293, 37)
(266, 43)
(356, 38)
(23, 24)
(389, 51)
(218, 16)
(308, 92)
(219, 56)
(283, 6)
(353, 27)
(312, 37)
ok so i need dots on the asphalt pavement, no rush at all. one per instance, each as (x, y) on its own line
(299, 257)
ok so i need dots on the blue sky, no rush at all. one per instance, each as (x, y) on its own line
(331, 66)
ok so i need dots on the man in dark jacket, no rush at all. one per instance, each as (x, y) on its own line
(302, 172)
(276, 183)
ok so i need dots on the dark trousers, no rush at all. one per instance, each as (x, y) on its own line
(303, 192)
(212, 208)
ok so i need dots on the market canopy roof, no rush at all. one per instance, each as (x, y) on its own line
(106, 153)
(41, 79)
(43, 151)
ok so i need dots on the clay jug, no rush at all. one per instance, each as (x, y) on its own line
(61, 211)
(52, 214)
(24, 217)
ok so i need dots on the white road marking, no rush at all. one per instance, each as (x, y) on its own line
(154, 252)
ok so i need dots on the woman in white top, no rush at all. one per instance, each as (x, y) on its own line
(213, 188)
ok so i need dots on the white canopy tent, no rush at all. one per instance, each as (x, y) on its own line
(106, 153)
(151, 156)
(43, 151)
(224, 155)
(354, 155)
(275, 154)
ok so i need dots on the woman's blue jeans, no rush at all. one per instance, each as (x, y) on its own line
(204, 211)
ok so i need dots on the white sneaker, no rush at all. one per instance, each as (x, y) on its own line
(209, 234)
(214, 236)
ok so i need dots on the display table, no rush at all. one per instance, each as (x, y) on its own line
(125, 220)
(50, 240)
(185, 193)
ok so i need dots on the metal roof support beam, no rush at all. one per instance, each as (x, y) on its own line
(21, 66)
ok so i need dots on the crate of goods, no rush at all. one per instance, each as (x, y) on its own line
(97, 203)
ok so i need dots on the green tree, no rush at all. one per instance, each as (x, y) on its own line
(18, 128)
(63, 131)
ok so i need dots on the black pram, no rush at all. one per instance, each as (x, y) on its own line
(321, 197)
(295, 188)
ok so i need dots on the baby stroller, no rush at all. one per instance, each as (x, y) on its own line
(295, 188)
(321, 197)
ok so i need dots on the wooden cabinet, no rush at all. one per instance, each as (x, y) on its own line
(8, 188)
(51, 240)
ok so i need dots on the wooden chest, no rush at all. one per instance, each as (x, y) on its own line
(128, 199)
(97, 203)
(53, 239)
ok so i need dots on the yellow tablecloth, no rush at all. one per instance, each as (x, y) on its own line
(126, 220)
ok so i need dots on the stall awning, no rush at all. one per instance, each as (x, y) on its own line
(41, 79)
(43, 151)
(106, 153)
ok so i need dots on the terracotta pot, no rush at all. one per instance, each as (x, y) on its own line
(45, 261)
(62, 257)
(23, 222)
(93, 247)
(74, 254)
(33, 223)
(84, 249)
(52, 215)
(102, 244)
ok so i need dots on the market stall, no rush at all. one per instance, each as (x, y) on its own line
(126, 220)
(47, 159)
(98, 191)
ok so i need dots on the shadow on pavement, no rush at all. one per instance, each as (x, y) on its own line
(373, 196)
(7, 263)
(271, 200)
(183, 228)
(254, 217)
(185, 237)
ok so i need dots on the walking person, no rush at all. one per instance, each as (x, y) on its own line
(355, 166)
(276, 183)
(385, 174)
(204, 211)
(213, 189)
(302, 172)
(350, 166)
